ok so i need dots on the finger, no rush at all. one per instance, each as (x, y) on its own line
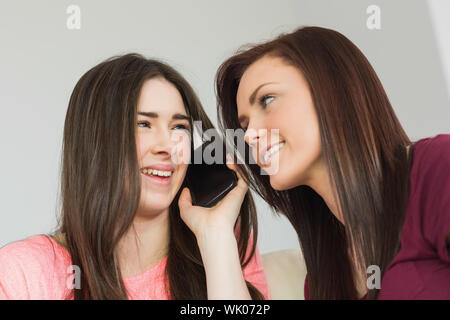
(239, 191)
(230, 163)
(185, 200)
(232, 166)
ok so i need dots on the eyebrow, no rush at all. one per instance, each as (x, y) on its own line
(253, 97)
(176, 116)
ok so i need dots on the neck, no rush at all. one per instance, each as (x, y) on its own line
(320, 182)
(322, 186)
(144, 245)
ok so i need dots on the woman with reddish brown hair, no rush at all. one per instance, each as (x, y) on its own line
(371, 208)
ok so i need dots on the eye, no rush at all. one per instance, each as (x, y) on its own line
(146, 123)
(265, 100)
(182, 126)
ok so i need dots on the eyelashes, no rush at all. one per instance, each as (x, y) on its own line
(265, 100)
(147, 124)
(143, 122)
(182, 126)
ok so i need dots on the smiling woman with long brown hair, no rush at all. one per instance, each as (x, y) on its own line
(359, 194)
(126, 228)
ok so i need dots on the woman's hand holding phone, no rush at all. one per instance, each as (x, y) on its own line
(214, 229)
(221, 217)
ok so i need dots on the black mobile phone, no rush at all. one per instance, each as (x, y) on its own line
(209, 182)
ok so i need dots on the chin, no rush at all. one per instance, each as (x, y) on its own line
(279, 184)
(155, 204)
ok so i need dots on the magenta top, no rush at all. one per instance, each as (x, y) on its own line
(421, 269)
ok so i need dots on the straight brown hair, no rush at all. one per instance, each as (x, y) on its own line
(363, 146)
(100, 182)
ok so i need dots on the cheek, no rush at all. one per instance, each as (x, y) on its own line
(141, 146)
(179, 178)
(287, 117)
(181, 150)
(153, 200)
(299, 125)
(303, 149)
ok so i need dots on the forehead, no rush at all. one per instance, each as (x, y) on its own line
(161, 96)
(263, 70)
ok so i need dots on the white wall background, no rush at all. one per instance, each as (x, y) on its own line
(440, 19)
(41, 60)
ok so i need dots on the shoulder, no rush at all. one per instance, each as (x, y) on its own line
(433, 150)
(430, 190)
(437, 140)
(27, 267)
(33, 250)
(431, 162)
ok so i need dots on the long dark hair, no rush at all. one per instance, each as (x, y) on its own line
(100, 182)
(363, 146)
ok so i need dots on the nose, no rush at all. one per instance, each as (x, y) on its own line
(162, 144)
(253, 136)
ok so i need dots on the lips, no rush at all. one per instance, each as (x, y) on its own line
(266, 153)
(158, 174)
(161, 167)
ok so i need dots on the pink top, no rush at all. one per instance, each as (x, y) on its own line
(39, 268)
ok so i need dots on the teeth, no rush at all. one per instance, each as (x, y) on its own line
(157, 172)
(271, 151)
